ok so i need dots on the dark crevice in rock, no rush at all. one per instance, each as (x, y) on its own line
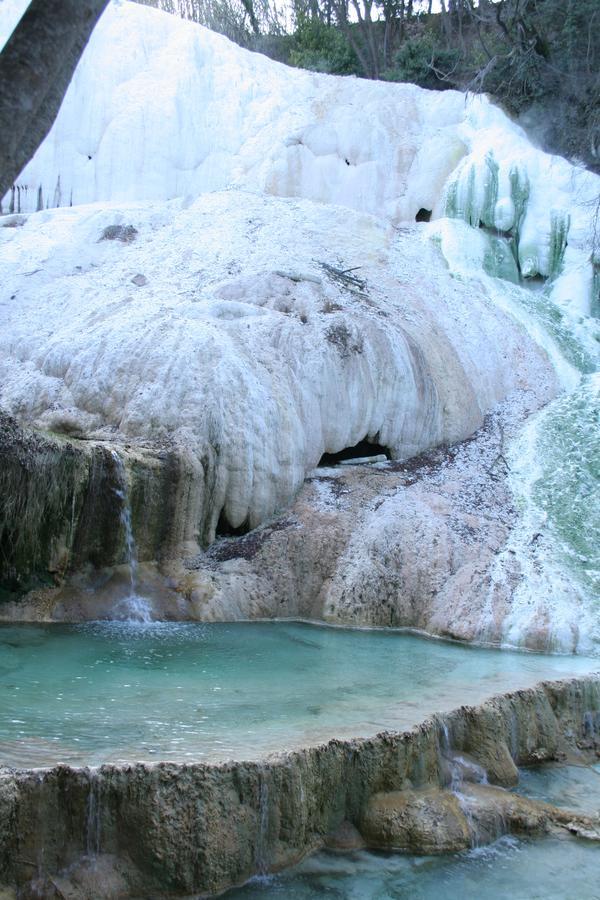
(225, 529)
(496, 232)
(124, 233)
(424, 215)
(361, 450)
(245, 546)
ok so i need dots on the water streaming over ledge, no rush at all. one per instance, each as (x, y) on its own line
(119, 691)
(133, 607)
(554, 463)
(543, 869)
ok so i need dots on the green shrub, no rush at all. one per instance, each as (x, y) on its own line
(322, 48)
(419, 59)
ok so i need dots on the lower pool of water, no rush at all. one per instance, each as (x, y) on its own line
(572, 787)
(548, 869)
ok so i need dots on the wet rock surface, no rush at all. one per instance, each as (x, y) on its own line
(178, 830)
(62, 503)
(442, 821)
(430, 821)
(413, 544)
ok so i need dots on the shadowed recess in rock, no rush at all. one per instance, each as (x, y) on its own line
(365, 449)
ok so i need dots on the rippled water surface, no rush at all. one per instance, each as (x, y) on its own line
(548, 869)
(120, 692)
(572, 787)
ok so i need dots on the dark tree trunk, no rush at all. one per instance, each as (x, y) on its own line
(36, 66)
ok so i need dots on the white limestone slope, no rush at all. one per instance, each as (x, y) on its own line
(236, 345)
(241, 347)
(161, 108)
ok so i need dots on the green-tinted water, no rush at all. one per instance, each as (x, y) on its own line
(113, 691)
(549, 869)
(573, 787)
(567, 488)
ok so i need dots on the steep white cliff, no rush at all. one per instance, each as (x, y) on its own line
(225, 327)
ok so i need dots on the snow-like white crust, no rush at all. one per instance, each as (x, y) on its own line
(161, 108)
(242, 177)
(192, 298)
(240, 345)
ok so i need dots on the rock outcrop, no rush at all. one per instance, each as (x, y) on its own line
(62, 507)
(197, 829)
(442, 821)
(285, 306)
(221, 382)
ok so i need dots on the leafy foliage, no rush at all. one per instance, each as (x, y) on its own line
(539, 58)
(419, 59)
(322, 49)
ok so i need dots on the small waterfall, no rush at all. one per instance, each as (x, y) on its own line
(92, 818)
(447, 763)
(444, 738)
(591, 724)
(465, 805)
(137, 608)
(122, 492)
(461, 770)
(514, 735)
(261, 855)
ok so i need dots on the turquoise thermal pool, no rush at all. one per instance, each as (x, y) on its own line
(546, 869)
(117, 692)
(573, 787)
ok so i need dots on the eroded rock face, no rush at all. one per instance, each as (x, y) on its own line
(221, 397)
(250, 364)
(62, 506)
(421, 544)
(251, 330)
(189, 829)
(440, 821)
(345, 837)
(429, 821)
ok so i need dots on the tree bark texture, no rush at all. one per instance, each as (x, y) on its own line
(36, 66)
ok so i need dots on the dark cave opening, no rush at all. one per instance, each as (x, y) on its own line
(224, 529)
(360, 450)
(424, 215)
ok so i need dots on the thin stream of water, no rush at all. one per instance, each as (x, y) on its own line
(135, 607)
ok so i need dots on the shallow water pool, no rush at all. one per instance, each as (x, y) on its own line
(117, 692)
(573, 787)
(548, 869)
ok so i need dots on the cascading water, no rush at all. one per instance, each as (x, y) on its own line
(555, 476)
(262, 864)
(135, 607)
(459, 770)
(92, 818)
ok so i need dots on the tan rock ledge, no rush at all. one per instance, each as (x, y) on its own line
(176, 830)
